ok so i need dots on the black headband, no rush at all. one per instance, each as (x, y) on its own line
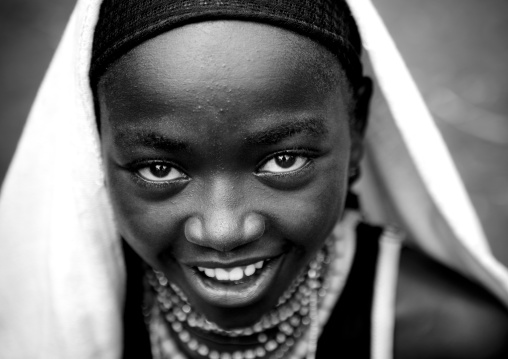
(124, 24)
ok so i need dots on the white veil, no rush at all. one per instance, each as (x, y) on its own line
(62, 274)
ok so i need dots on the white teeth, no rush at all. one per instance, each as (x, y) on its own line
(231, 274)
(250, 270)
(236, 274)
(221, 274)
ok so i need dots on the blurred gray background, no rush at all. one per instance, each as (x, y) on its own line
(457, 51)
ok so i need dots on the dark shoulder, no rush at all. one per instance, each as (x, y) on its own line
(441, 314)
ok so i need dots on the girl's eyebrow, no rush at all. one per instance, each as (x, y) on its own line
(313, 127)
(151, 140)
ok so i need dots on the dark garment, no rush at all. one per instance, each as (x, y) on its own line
(136, 340)
(346, 335)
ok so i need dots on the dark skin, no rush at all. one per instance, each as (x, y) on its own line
(228, 143)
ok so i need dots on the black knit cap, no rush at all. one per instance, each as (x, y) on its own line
(124, 24)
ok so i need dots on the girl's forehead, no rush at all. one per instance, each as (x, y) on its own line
(227, 53)
(223, 79)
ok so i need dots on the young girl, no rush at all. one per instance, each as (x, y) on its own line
(224, 138)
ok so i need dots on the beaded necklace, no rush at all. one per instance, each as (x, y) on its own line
(291, 329)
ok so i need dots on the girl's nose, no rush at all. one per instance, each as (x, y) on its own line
(224, 230)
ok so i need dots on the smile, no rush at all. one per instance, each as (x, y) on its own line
(231, 274)
(234, 286)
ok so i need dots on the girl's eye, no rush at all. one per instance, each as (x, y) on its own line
(284, 163)
(160, 172)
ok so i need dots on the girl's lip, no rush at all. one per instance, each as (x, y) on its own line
(233, 294)
(237, 262)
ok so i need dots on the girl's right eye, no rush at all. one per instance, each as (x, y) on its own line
(160, 172)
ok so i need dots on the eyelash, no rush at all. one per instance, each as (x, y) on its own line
(136, 166)
(307, 153)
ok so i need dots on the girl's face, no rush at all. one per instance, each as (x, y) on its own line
(227, 147)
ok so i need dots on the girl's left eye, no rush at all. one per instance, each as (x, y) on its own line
(284, 162)
(160, 172)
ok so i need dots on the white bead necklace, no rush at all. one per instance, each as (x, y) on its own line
(290, 330)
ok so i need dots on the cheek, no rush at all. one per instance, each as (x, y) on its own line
(150, 227)
(307, 217)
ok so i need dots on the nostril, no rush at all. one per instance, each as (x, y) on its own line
(223, 231)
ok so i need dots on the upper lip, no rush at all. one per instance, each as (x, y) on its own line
(229, 264)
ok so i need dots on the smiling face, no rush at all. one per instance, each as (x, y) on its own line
(227, 147)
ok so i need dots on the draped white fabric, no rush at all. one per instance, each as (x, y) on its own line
(414, 169)
(62, 274)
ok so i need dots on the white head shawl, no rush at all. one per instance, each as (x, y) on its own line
(63, 275)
